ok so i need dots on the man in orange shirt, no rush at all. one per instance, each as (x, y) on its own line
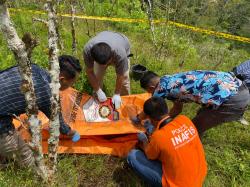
(173, 156)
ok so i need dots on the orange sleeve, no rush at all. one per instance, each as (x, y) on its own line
(152, 150)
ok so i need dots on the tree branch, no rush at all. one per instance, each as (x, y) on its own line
(40, 20)
(30, 43)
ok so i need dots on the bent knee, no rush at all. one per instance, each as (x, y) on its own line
(132, 155)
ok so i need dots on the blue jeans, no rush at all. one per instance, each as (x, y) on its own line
(148, 170)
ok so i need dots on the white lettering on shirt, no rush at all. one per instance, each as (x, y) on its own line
(183, 135)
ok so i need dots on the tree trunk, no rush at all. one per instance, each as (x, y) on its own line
(17, 46)
(150, 20)
(57, 24)
(87, 23)
(55, 85)
(73, 32)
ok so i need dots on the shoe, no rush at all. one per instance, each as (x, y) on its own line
(243, 121)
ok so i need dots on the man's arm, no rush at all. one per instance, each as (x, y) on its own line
(89, 62)
(176, 109)
(92, 78)
(119, 82)
(64, 128)
(136, 120)
(121, 67)
(151, 149)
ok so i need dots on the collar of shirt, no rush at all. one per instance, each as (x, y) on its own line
(159, 123)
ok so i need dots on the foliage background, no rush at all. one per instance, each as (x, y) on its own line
(227, 146)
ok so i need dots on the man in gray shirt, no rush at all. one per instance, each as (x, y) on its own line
(108, 49)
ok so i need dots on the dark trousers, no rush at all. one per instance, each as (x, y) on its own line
(149, 170)
(231, 110)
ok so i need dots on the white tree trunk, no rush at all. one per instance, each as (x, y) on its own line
(151, 22)
(57, 25)
(55, 85)
(73, 32)
(18, 48)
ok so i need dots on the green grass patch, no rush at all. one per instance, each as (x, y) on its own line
(226, 146)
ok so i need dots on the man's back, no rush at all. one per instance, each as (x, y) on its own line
(244, 71)
(203, 87)
(117, 41)
(178, 147)
(12, 101)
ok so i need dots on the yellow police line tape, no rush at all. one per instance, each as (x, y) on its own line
(131, 20)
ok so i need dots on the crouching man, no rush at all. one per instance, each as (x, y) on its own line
(173, 155)
(12, 103)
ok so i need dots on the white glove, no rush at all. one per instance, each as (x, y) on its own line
(101, 95)
(117, 101)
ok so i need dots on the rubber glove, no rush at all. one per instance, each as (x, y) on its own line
(135, 120)
(117, 101)
(149, 127)
(101, 95)
(76, 137)
(142, 137)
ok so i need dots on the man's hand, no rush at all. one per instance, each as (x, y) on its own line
(135, 120)
(101, 95)
(75, 136)
(149, 127)
(117, 101)
(142, 137)
(176, 109)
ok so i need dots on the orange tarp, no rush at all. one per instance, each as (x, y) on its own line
(112, 137)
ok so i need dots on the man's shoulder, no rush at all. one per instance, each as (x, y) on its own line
(179, 121)
(37, 69)
(182, 119)
(9, 69)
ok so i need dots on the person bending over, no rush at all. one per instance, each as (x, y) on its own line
(12, 103)
(108, 49)
(173, 155)
(222, 96)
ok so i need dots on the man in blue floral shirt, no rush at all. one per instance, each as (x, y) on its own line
(223, 97)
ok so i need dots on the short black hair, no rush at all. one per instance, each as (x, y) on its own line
(101, 53)
(146, 79)
(155, 107)
(69, 65)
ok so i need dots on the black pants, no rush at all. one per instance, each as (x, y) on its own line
(231, 110)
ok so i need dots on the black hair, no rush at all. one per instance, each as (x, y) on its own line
(69, 65)
(146, 79)
(155, 107)
(101, 53)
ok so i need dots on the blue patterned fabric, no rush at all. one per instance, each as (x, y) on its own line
(12, 101)
(203, 87)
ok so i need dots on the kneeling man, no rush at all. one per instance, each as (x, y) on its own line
(173, 155)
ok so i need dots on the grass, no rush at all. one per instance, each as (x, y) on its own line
(226, 146)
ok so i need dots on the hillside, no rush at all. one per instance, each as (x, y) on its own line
(227, 147)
